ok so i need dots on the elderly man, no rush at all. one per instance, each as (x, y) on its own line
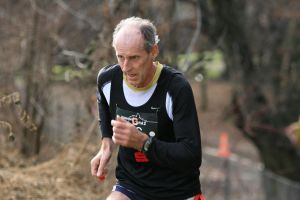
(148, 110)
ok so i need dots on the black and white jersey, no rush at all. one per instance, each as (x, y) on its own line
(170, 169)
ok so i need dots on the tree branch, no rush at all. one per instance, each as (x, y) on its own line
(187, 61)
(78, 15)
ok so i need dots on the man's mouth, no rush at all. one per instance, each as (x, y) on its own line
(131, 76)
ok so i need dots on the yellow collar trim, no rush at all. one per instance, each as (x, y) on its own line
(153, 81)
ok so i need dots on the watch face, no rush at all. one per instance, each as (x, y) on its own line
(152, 134)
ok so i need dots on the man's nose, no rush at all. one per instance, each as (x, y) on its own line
(126, 66)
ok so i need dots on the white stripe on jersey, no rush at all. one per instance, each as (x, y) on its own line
(169, 106)
(138, 98)
(106, 91)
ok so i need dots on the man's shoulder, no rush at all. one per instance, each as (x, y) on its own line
(177, 78)
(106, 73)
(171, 70)
(109, 69)
(177, 82)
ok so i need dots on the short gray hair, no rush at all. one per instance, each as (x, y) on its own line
(148, 31)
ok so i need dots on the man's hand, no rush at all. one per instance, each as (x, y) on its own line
(127, 135)
(100, 161)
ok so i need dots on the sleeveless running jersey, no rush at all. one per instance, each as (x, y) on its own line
(170, 169)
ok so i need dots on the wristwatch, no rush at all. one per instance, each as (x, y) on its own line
(148, 142)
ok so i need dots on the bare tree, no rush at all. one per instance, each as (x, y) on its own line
(260, 49)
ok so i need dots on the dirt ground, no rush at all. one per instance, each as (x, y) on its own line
(67, 174)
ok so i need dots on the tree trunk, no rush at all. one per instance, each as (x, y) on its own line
(28, 67)
(261, 120)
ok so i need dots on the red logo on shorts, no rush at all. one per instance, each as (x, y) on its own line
(199, 197)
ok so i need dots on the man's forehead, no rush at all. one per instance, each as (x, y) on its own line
(129, 32)
(130, 38)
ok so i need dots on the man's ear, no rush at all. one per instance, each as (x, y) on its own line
(154, 51)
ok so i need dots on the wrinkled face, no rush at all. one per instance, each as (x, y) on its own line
(136, 63)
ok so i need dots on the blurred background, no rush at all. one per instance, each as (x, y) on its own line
(241, 57)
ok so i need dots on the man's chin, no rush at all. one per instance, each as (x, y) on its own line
(133, 83)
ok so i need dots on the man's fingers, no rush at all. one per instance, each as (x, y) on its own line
(117, 120)
(121, 119)
(103, 176)
(102, 167)
(93, 170)
(114, 139)
(118, 126)
(94, 166)
(118, 137)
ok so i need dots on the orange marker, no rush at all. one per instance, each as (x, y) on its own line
(224, 149)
